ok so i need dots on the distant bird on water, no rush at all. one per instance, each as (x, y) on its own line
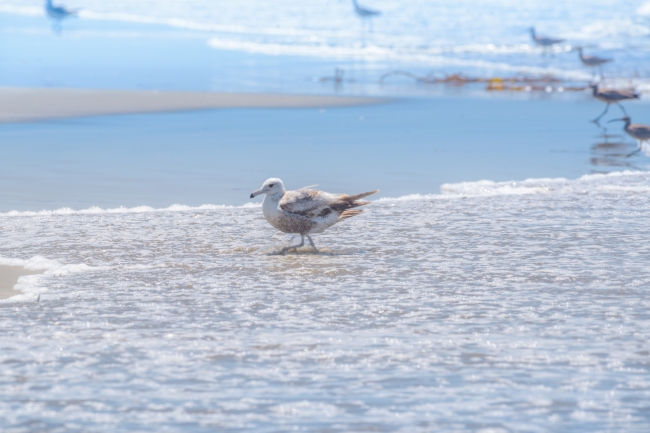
(58, 13)
(612, 96)
(544, 41)
(364, 12)
(593, 61)
(640, 133)
(306, 211)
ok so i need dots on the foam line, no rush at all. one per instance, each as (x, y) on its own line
(30, 285)
(489, 188)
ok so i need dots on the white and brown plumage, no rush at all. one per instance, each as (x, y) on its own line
(612, 96)
(639, 132)
(306, 211)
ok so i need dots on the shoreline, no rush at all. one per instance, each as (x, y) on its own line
(9, 278)
(24, 104)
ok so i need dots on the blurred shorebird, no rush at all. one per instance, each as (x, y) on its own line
(306, 211)
(612, 96)
(593, 61)
(58, 13)
(641, 133)
(364, 12)
(544, 41)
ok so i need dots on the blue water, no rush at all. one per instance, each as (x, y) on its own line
(218, 157)
(204, 44)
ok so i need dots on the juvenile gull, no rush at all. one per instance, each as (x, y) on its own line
(306, 211)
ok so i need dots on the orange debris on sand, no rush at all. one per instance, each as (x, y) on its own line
(517, 83)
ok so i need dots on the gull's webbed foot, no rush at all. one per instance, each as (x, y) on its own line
(293, 247)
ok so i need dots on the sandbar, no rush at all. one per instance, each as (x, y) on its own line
(9, 277)
(33, 104)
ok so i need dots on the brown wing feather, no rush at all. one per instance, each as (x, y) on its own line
(304, 202)
(349, 214)
(313, 203)
(350, 201)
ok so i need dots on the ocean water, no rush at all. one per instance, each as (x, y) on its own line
(491, 307)
(460, 301)
(308, 40)
(218, 157)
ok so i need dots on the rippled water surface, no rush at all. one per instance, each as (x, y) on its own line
(492, 307)
(308, 39)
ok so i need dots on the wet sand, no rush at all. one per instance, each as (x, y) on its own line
(33, 104)
(9, 277)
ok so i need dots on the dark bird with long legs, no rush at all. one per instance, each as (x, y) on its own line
(544, 41)
(612, 96)
(641, 133)
(593, 61)
(58, 14)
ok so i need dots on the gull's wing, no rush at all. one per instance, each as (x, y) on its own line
(308, 202)
(312, 203)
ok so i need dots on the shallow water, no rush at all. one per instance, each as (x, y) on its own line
(492, 307)
(220, 156)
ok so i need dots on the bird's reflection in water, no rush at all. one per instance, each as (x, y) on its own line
(611, 151)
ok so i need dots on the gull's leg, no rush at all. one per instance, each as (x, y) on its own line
(622, 108)
(311, 241)
(295, 247)
(601, 115)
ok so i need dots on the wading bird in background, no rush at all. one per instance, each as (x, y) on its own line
(641, 133)
(593, 61)
(544, 41)
(612, 96)
(364, 12)
(306, 211)
(57, 14)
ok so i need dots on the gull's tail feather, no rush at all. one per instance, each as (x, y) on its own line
(356, 197)
(350, 213)
(347, 202)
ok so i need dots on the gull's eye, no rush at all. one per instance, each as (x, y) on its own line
(271, 185)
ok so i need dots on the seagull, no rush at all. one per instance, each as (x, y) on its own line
(612, 96)
(639, 132)
(544, 41)
(58, 13)
(306, 211)
(593, 61)
(364, 12)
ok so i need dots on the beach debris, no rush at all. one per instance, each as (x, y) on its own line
(641, 133)
(518, 83)
(612, 96)
(336, 79)
(306, 211)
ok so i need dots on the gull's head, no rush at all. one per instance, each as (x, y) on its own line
(271, 186)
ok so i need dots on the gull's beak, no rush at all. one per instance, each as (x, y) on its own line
(256, 193)
(616, 120)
